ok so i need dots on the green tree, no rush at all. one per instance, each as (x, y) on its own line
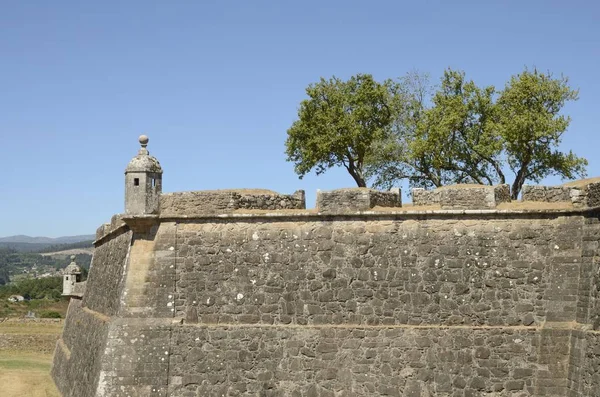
(471, 134)
(4, 275)
(455, 140)
(339, 123)
(390, 158)
(531, 126)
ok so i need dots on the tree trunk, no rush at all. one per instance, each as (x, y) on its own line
(518, 183)
(355, 171)
(358, 178)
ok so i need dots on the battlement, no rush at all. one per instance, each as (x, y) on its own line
(449, 200)
(584, 193)
(463, 196)
(213, 202)
(115, 225)
(358, 199)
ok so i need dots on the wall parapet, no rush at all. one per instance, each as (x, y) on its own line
(581, 194)
(227, 201)
(116, 226)
(356, 199)
(463, 196)
(78, 289)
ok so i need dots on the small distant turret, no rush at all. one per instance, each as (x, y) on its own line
(71, 276)
(143, 182)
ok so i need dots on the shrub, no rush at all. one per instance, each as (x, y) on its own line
(49, 314)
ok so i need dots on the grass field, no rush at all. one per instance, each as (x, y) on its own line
(38, 306)
(25, 358)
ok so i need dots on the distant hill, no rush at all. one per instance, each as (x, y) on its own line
(47, 240)
(24, 247)
(36, 244)
(86, 246)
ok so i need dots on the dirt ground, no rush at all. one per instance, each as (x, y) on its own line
(26, 357)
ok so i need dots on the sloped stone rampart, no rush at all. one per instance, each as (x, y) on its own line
(107, 274)
(81, 348)
(79, 352)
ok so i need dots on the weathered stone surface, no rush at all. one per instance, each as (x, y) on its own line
(356, 199)
(581, 194)
(226, 201)
(377, 272)
(76, 367)
(339, 305)
(549, 194)
(211, 298)
(356, 361)
(107, 271)
(388, 306)
(471, 197)
(421, 197)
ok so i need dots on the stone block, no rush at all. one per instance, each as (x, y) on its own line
(423, 197)
(470, 197)
(581, 194)
(356, 199)
(102, 231)
(548, 194)
(214, 202)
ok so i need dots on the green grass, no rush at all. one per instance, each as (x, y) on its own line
(35, 364)
(26, 359)
(31, 328)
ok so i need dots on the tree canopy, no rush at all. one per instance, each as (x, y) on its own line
(530, 125)
(339, 124)
(459, 133)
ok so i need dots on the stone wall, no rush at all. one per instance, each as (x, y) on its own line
(356, 199)
(357, 361)
(227, 201)
(431, 271)
(362, 308)
(81, 348)
(589, 195)
(549, 194)
(582, 194)
(470, 197)
(421, 197)
(584, 368)
(473, 196)
(302, 304)
(79, 351)
(107, 275)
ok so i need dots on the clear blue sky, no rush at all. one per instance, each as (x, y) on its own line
(216, 84)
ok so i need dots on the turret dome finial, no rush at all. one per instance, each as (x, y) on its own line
(143, 139)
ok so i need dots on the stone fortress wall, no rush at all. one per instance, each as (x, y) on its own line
(246, 293)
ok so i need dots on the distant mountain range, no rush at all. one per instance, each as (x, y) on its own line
(47, 240)
(41, 244)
